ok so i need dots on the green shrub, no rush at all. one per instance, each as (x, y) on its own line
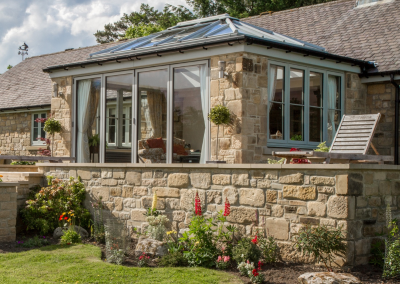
(321, 242)
(220, 115)
(199, 241)
(246, 250)
(70, 237)
(322, 147)
(377, 253)
(269, 249)
(46, 204)
(173, 259)
(24, 163)
(34, 242)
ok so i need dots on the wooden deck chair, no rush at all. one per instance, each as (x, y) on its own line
(351, 142)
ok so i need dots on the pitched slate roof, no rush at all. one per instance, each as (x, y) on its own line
(368, 32)
(27, 85)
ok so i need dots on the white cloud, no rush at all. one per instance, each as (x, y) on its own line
(50, 26)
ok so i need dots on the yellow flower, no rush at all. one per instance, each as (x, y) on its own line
(1, 176)
(171, 232)
(154, 205)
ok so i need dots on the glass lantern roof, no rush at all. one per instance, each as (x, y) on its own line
(185, 33)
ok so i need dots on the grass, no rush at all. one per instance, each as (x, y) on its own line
(83, 264)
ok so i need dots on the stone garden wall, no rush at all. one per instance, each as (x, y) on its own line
(277, 199)
(8, 211)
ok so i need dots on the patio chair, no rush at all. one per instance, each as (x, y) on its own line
(350, 145)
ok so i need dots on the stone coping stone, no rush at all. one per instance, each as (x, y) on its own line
(227, 166)
(3, 184)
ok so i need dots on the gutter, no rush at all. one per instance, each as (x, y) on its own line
(396, 120)
(135, 54)
(20, 109)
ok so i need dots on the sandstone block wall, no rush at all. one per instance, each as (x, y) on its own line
(275, 199)
(15, 134)
(61, 109)
(8, 211)
(381, 98)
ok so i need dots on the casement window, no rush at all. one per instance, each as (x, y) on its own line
(37, 132)
(304, 105)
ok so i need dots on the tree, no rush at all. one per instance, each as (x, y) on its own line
(9, 67)
(142, 23)
(245, 8)
(148, 20)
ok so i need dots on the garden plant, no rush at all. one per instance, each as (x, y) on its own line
(219, 115)
(45, 205)
(321, 242)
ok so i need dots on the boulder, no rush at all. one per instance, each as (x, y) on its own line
(328, 278)
(150, 246)
(58, 232)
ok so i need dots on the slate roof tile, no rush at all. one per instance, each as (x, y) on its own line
(27, 85)
(367, 33)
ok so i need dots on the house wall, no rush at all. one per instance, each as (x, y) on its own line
(61, 109)
(381, 98)
(276, 200)
(15, 134)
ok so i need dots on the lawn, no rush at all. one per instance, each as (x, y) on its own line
(83, 264)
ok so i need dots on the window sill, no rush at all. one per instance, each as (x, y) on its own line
(35, 147)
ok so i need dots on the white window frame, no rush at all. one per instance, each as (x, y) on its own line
(286, 142)
(34, 141)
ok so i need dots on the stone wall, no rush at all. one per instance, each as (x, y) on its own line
(8, 211)
(15, 134)
(381, 98)
(277, 199)
(61, 109)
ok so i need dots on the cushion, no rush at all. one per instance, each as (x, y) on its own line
(156, 143)
(180, 150)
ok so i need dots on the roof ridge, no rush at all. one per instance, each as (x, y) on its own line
(79, 48)
(299, 8)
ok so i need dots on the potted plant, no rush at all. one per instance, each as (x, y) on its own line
(219, 115)
(52, 126)
(94, 143)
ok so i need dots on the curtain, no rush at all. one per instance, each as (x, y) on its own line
(154, 99)
(145, 108)
(204, 97)
(82, 145)
(272, 85)
(332, 92)
(92, 110)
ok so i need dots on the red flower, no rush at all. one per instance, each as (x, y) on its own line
(255, 273)
(255, 240)
(227, 209)
(294, 149)
(259, 265)
(65, 218)
(197, 205)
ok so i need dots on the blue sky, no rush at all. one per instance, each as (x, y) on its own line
(53, 25)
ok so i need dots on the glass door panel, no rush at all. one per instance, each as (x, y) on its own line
(152, 116)
(88, 120)
(296, 104)
(276, 102)
(118, 118)
(189, 115)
